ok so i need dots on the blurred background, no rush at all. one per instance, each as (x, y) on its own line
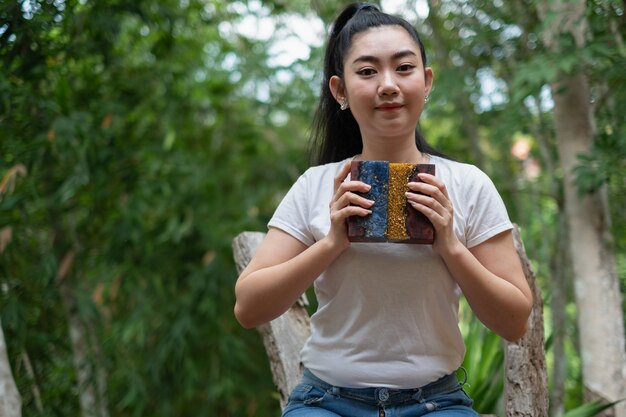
(138, 138)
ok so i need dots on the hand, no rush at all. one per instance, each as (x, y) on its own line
(345, 203)
(434, 202)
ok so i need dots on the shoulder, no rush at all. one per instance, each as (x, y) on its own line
(479, 210)
(326, 169)
(459, 173)
(468, 186)
(321, 174)
(316, 180)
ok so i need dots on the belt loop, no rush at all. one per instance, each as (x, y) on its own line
(465, 373)
(418, 395)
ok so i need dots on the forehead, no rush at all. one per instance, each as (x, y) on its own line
(381, 41)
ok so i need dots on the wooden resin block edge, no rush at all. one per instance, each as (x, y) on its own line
(371, 228)
(419, 228)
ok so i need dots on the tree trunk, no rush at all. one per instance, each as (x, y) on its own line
(10, 400)
(28, 367)
(284, 336)
(91, 404)
(555, 250)
(526, 381)
(560, 269)
(596, 285)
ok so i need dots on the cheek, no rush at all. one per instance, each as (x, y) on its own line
(361, 91)
(360, 101)
(355, 85)
(415, 87)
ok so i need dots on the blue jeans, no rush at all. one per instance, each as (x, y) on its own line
(313, 397)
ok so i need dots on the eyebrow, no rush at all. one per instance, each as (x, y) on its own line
(395, 56)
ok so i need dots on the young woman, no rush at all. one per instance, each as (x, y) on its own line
(385, 338)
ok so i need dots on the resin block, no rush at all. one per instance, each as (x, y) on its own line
(419, 228)
(372, 228)
(392, 218)
(399, 175)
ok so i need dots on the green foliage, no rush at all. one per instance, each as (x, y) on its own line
(591, 409)
(143, 136)
(129, 142)
(606, 163)
(483, 361)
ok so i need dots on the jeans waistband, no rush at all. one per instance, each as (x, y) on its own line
(387, 396)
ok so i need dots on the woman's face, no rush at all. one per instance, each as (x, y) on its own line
(385, 82)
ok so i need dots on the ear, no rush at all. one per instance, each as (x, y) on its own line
(337, 88)
(429, 76)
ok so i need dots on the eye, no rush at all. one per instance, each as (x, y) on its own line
(366, 72)
(406, 67)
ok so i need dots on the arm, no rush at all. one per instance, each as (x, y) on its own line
(489, 274)
(491, 278)
(283, 267)
(281, 270)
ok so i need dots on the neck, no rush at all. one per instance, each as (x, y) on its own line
(392, 151)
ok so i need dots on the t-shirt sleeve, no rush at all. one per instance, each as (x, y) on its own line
(487, 215)
(292, 214)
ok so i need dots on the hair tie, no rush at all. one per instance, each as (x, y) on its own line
(365, 6)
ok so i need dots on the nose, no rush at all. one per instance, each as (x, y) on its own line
(388, 84)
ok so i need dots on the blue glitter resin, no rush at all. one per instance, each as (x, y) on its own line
(374, 226)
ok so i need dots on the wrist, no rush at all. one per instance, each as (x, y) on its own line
(334, 246)
(452, 250)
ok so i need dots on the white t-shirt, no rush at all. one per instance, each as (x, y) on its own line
(388, 312)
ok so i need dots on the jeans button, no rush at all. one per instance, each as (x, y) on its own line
(383, 394)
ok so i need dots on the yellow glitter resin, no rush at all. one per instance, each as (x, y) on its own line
(396, 210)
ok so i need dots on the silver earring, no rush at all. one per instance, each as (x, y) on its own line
(426, 98)
(344, 105)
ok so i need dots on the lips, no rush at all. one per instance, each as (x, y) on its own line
(389, 106)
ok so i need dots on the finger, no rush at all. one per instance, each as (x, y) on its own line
(341, 175)
(350, 198)
(438, 191)
(428, 204)
(434, 181)
(348, 211)
(419, 188)
(430, 214)
(356, 188)
(353, 186)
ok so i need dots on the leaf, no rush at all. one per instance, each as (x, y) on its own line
(169, 140)
(591, 409)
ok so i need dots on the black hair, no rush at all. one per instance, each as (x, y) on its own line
(335, 134)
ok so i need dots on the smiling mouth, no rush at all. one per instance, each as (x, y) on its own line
(389, 107)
